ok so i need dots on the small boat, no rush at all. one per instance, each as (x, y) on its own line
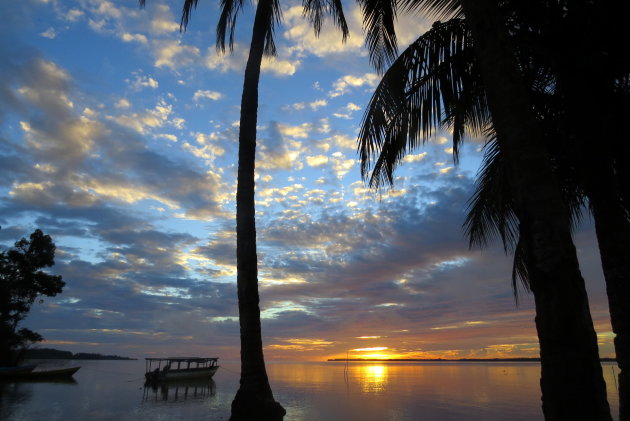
(179, 368)
(49, 374)
(27, 373)
(6, 372)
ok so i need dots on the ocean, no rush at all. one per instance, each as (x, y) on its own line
(329, 391)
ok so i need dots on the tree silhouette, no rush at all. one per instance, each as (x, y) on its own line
(22, 282)
(422, 94)
(254, 399)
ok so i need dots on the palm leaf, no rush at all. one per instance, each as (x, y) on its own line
(438, 9)
(380, 35)
(316, 10)
(424, 89)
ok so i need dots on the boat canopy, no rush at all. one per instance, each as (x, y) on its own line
(180, 363)
(183, 359)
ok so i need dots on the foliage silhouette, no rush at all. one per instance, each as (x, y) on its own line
(22, 282)
(422, 91)
(254, 400)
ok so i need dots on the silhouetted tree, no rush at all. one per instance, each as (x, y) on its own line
(22, 282)
(254, 400)
(572, 381)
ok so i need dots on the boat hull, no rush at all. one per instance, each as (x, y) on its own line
(27, 373)
(174, 375)
(8, 372)
(59, 373)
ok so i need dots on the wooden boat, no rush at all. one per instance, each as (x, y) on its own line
(49, 374)
(27, 373)
(7, 372)
(180, 368)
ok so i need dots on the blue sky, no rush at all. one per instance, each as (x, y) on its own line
(118, 137)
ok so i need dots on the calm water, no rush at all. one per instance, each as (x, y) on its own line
(113, 390)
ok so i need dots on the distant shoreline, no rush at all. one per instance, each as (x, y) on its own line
(431, 360)
(55, 354)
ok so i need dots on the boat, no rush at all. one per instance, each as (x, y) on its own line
(7, 372)
(28, 373)
(49, 374)
(179, 368)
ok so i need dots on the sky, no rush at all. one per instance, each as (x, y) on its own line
(118, 137)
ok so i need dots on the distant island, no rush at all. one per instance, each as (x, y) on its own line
(50, 353)
(429, 360)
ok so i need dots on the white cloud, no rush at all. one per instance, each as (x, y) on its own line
(167, 136)
(128, 37)
(343, 141)
(49, 33)
(172, 54)
(301, 131)
(149, 119)
(313, 105)
(300, 32)
(343, 85)
(236, 59)
(415, 158)
(317, 160)
(107, 8)
(73, 15)
(122, 104)
(213, 95)
(162, 22)
(144, 82)
(341, 165)
(230, 61)
(281, 67)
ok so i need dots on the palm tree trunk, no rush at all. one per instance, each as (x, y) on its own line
(613, 235)
(254, 399)
(571, 381)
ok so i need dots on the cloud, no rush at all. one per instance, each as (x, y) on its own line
(280, 67)
(173, 54)
(235, 60)
(122, 103)
(162, 21)
(49, 33)
(313, 105)
(317, 160)
(149, 119)
(128, 37)
(300, 32)
(141, 81)
(213, 95)
(274, 152)
(344, 84)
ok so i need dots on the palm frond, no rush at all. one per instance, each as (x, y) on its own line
(380, 35)
(316, 10)
(230, 10)
(187, 8)
(520, 268)
(227, 22)
(490, 210)
(438, 9)
(419, 93)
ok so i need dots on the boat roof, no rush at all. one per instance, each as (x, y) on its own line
(181, 359)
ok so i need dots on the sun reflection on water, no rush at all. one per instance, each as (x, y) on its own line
(373, 378)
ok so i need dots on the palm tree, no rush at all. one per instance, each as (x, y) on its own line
(572, 382)
(591, 94)
(254, 399)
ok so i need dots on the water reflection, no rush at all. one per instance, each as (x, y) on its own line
(172, 391)
(372, 378)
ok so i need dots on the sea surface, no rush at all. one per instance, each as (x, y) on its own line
(329, 391)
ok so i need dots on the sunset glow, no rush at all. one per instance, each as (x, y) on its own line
(119, 138)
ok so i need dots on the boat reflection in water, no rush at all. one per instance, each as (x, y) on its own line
(179, 390)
